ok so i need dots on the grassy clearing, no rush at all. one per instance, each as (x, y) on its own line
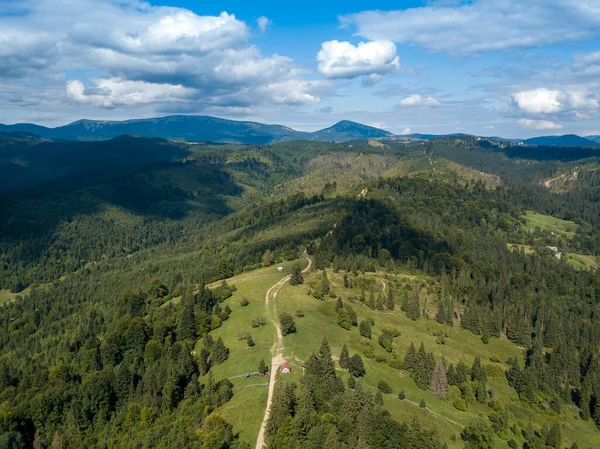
(245, 411)
(6, 296)
(527, 249)
(549, 223)
(583, 262)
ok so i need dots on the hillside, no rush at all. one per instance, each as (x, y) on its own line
(117, 327)
(568, 140)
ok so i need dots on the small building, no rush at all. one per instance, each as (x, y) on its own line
(280, 269)
(285, 368)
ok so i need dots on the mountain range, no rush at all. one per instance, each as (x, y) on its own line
(197, 128)
(219, 130)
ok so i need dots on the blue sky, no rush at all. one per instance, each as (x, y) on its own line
(508, 68)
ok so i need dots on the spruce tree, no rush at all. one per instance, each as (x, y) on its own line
(262, 367)
(390, 300)
(451, 376)
(344, 357)
(187, 330)
(429, 367)
(296, 277)
(414, 307)
(410, 359)
(351, 382)
(219, 352)
(379, 398)
(422, 403)
(477, 371)
(461, 373)
(345, 280)
(339, 305)
(401, 395)
(352, 314)
(356, 366)
(324, 284)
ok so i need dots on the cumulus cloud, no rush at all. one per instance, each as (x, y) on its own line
(538, 124)
(481, 25)
(419, 100)
(128, 53)
(548, 101)
(263, 23)
(405, 131)
(344, 60)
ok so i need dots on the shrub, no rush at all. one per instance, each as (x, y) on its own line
(380, 358)
(299, 313)
(244, 302)
(249, 341)
(401, 395)
(384, 387)
(288, 326)
(422, 404)
(258, 322)
(369, 353)
(460, 404)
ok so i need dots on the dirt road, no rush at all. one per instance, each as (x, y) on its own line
(276, 350)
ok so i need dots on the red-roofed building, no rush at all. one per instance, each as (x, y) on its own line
(285, 368)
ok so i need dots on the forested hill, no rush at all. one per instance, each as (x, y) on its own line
(117, 330)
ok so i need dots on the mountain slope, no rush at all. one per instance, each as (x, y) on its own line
(197, 128)
(568, 140)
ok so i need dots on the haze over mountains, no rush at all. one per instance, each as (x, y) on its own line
(213, 129)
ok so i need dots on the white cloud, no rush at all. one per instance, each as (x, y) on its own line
(547, 101)
(538, 124)
(481, 25)
(406, 131)
(379, 125)
(263, 23)
(419, 100)
(127, 53)
(344, 60)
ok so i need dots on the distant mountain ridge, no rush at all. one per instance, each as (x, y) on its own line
(568, 140)
(197, 128)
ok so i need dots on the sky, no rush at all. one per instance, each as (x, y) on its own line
(509, 68)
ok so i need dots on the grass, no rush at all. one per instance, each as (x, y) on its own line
(6, 296)
(583, 262)
(551, 224)
(527, 249)
(246, 409)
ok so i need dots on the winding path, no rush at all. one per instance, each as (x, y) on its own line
(276, 350)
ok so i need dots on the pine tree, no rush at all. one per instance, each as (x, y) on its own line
(390, 300)
(461, 372)
(352, 314)
(410, 359)
(351, 382)
(477, 371)
(439, 382)
(296, 277)
(344, 357)
(346, 283)
(419, 373)
(401, 395)
(422, 404)
(429, 367)
(379, 398)
(262, 367)
(339, 305)
(324, 284)
(414, 307)
(451, 376)
(187, 330)
(380, 305)
(224, 269)
(405, 302)
(219, 352)
(356, 366)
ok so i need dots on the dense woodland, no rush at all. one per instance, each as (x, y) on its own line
(95, 353)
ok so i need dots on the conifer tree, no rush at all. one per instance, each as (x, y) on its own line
(439, 382)
(477, 371)
(405, 302)
(365, 329)
(356, 366)
(296, 277)
(351, 382)
(451, 376)
(401, 395)
(187, 330)
(345, 280)
(344, 320)
(461, 373)
(219, 352)
(414, 307)
(339, 305)
(422, 403)
(410, 359)
(351, 314)
(344, 357)
(324, 284)
(379, 398)
(390, 300)
(262, 367)
(429, 367)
